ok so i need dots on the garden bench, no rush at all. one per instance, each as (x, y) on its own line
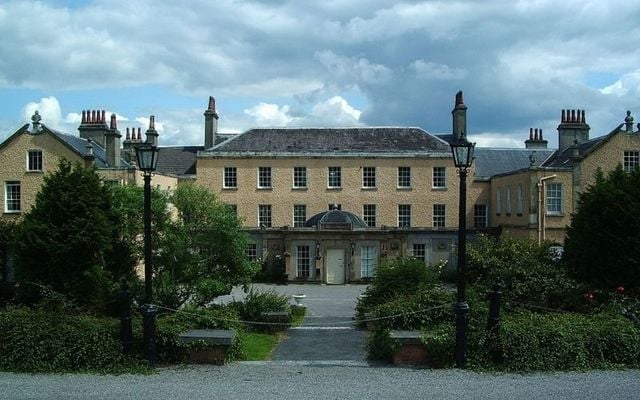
(411, 350)
(221, 338)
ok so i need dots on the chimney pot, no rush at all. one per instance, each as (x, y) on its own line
(113, 121)
(584, 120)
(530, 133)
(84, 117)
(212, 103)
(128, 137)
(459, 99)
(139, 134)
(152, 122)
(541, 134)
(93, 116)
(563, 117)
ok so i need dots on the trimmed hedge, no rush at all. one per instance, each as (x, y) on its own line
(543, 342)
(41, 341)
(416, 311)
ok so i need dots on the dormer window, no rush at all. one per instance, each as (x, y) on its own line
(34, 161)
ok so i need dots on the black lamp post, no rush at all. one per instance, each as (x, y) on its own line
(462, 159)
(147, 156)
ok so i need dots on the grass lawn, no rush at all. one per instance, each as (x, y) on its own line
(259, 346)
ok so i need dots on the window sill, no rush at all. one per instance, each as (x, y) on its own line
(555, 215)
(265, 188)
(334, 188)
(300, 188)
(12, 212)
(438, 188)
(404, 188)
(230, 189)
(34, 172)
(369, 188)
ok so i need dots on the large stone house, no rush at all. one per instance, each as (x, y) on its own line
(328, 204)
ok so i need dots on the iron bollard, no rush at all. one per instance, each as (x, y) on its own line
(126, 330)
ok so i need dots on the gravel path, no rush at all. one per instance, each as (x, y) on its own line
(317, 381)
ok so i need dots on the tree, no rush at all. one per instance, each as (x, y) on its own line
(200, 253)
(603, 242)
(66, 237)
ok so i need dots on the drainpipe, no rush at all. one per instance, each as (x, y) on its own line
(541, 208)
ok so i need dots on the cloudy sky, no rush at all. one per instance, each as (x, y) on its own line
(321, 63)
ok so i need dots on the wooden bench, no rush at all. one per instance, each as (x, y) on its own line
(412, 351)
(221, 340)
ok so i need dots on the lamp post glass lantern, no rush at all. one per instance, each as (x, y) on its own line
(462, 151)
(147, 157)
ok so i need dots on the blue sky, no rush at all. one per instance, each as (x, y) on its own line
(321, 63)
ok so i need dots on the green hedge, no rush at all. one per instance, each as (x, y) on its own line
(530, 342)
(41, 341)
(543, 342)
(425, 308)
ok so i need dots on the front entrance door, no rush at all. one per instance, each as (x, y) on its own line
(335, 266)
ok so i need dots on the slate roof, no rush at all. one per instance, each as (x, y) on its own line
(491, 161)
(181, 160)
(79, 145)
(370, 140)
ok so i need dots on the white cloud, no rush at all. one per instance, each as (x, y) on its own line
(49, 110)
(265, 114)
(496, 140)
(336, 111)
(628, 84)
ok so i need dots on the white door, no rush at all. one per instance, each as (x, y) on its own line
(335, 266)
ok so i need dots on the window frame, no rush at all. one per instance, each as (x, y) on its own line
(498, 201)
(507, 207)
(300, 177)
(299, 219)
(265, 178)
(334, 175)
(369, 177)
(439, 178)
(421, 248)
(251, 251)
(367, 217)
(230, 174)
(404, 178)
(439, 218)
(404, 213)
(520, 201)
(477, 216)
(35, 156)
(368, 261)
(630, 160)
(553, 196)
(303, 252)
(265, 211)
(10, 197)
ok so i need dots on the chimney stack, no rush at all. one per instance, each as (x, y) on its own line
(210, 124)
(573, 128)
(112, 143)
(93, 126)
(535, 141)
(152, 134)
(459, 114)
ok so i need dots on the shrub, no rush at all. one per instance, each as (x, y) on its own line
(380, 346)
(170, 326)
(416, 311)
(528, 272)
(544, 342)
(398, 277)
(43, 341)
(256, 303)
